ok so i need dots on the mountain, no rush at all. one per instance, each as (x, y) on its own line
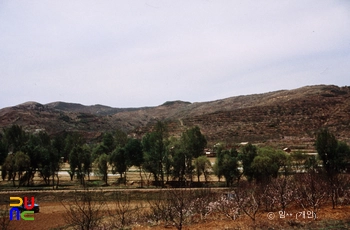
(93, 109)
(282, 118)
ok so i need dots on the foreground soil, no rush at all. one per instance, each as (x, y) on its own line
(51, 216)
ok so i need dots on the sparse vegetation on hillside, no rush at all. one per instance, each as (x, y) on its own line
(286, 117)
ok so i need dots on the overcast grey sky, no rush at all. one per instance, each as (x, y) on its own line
(146, 52)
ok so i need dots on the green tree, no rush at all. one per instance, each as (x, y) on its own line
(8, 168)
(194, 141)
(343, 151)
(98, 150)
(155, 152)
(22, 162)
(192, 144)
(134, 155)
(202, 165)
(58, 143)
(178, 162)
(3, 149)
(227, 165)
(267, 164)
(46, 157)
(118, 163)
(3, 155)
(335, 157)
(43, 156)
(79, 161)
(247, 155)
(133, 152)
(264, 168)
(102, 165)
(108, 142)
(16, 164)
(34, 150)
(326, 146)
(120, 138)
(72, 140)
(16, 138)
(87, 160)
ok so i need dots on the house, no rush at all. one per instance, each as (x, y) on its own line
(287, 150)
(243, 143)
(210, 154)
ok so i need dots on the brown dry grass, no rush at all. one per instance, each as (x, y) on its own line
(328, 218)
(52, 211)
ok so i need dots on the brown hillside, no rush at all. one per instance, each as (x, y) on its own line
(286, 117)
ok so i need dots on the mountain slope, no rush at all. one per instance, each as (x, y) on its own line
(93, 109)
(285, 116)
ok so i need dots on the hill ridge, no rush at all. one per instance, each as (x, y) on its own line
(266, 117)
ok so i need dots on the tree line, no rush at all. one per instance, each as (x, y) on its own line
(23, 155)
(163, 157)
(259, 178)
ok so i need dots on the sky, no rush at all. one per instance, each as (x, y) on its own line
(145, 52)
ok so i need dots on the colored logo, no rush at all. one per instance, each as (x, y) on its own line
(23, 210)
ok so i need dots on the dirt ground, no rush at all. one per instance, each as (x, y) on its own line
(51, 216)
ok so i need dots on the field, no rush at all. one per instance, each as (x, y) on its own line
(52, 212)
(55, 203)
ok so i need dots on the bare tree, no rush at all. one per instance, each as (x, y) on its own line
(311, 191)
(181, 211)
(279, 192)
(343, 194)
(173, 206)
(86, 210)
(337, 187)
(4, 216)
(201, 200)
(227, 205)
(159, 207)
(124, 213)
(247, 199)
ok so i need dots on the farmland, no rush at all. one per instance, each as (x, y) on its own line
(140, 202)
(52, 213)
